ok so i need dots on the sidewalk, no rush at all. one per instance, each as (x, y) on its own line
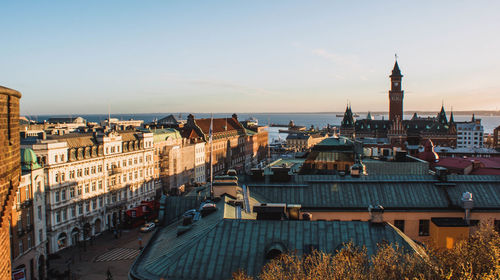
(83, 265)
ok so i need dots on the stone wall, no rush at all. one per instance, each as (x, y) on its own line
(10, 170)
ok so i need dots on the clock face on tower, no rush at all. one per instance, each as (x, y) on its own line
(396, 84)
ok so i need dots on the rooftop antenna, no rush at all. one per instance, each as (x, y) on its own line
(211, 157)
(269, 146)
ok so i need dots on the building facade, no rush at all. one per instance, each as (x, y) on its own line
(470, 134)
(28, 235)
(399, 132)
(90, 179)
(10, 171)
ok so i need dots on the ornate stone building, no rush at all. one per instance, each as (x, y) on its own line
(91, 178)
(397, 131)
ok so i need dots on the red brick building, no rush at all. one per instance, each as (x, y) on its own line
(231, 142)
(10, 171)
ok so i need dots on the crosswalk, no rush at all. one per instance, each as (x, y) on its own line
(118, 254)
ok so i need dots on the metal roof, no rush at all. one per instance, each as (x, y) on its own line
(403, 192)
(216, 247)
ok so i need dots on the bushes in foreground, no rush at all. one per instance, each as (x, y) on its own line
(477, 257)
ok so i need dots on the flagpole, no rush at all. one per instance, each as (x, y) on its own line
(211, 157)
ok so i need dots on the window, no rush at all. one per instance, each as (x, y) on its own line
(99, 168)
(87, 171)
(40, 235)
(93, 169)
(124, 163)
(39, 212)
(400, 224)
(79, 190)
(124, 178)
(87, 206)
(72, 174)
(73, 212)
(80, 209)
(63, 195)
(72, 192)
(93, 186)
(100, 201)
(64, 215)
(57, 196)
(20, 222)
(100, 185)
(58, 216)
(423, 228)
(27, 189)
(79, 172)
(94, 204)
(21, 250)
(497, 225)
(86, 188)
(28, 219)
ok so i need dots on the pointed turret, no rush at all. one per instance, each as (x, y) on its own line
(442, 116)
(415, 116)
(395, 71)
(452, 120)
(369, 116)
(348, 120)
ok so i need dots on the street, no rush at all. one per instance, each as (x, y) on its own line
(105, 253)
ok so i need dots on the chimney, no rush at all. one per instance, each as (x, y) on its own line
(306, 216)
(442, 173)
(376, 214)
(467, 204)
(190, 118)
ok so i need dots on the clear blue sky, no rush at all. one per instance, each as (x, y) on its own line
(248, 56)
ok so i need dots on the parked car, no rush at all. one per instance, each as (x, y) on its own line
(189, 213)
(148, 227)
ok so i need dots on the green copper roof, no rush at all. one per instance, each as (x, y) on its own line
(391, 191)
(215, 247)
(29, 160)
(163, 134)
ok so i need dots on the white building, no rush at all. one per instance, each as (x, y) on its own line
(470, 134)
(199, 162)
(91, 179)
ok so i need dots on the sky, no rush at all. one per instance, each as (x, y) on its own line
(70, 57)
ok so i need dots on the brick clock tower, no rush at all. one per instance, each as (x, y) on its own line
(396, 95)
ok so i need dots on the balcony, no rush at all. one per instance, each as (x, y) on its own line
(115, 170)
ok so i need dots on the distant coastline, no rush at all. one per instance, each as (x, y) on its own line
(408, 112)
